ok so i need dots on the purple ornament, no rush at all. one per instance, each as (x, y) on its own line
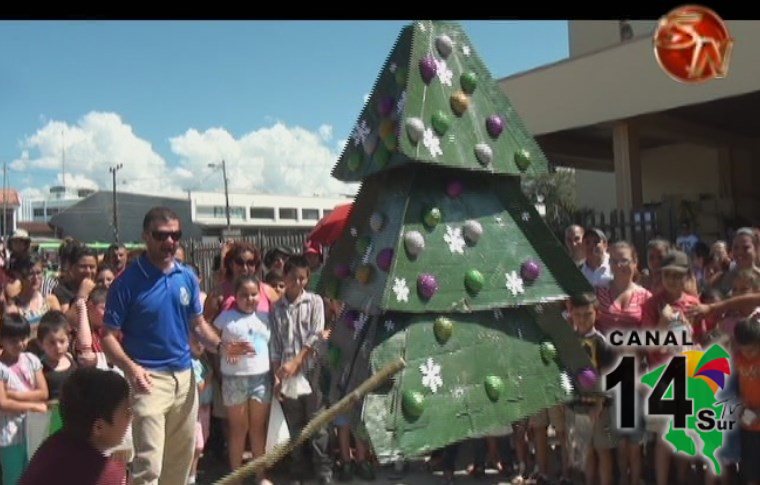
(588, 378)
(530, 271)
(350, 318)
(454, 189)
(384, 259)
(386, 106)
(428, 68)
(494, 125)
(342, 271)
(427, 285)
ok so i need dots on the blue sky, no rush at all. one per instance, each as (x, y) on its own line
(276, 99)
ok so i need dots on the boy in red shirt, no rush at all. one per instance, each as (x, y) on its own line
(747, 367)
(96, 414)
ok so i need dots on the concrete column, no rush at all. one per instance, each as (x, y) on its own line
(627, 161)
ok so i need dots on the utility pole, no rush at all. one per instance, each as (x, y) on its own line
(226, 190)
(113, 171)
(5, 201)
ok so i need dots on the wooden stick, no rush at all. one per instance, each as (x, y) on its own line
(322, 419)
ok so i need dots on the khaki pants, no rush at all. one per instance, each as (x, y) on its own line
(163, 429)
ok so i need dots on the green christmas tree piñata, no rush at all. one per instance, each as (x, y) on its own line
(444, 261)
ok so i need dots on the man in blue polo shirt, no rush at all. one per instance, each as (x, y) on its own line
(155, 305)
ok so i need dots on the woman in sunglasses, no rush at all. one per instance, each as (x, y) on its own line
(30, 302)
(242, 259)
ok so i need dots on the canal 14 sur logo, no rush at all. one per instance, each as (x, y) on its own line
(684, 401)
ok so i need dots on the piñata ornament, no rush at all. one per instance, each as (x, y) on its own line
(449, 281)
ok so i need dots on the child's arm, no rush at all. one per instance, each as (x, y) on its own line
(86, 357)
(10, 405)
(39, 394)
(316, 327)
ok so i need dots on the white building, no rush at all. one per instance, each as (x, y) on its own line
(59, 199)
(249, 211)
(638, 138)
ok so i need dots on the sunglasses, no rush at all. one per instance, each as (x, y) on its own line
(164, 235)
(251, 263)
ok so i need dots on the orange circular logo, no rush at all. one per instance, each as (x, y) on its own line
(692, 44)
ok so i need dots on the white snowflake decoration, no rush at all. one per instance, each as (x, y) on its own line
(360, 133)
(539, 309)
(400, 105)
(514, 283)
(393, 67)
(443, 72)
(431, 375)
(499, 220)
(458, 393)
(367, 253)
(401, 290)
(454, 239)
(359, 324)
(497, 314)
(353, 232)
(526, 216)
(466, 50)
(432, 142)
(422, 27)
(390, 325)
(566, 384)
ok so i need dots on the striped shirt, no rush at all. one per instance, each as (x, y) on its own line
(612, 315)
(296, 325)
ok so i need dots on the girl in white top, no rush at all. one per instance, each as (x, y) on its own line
(247, 380)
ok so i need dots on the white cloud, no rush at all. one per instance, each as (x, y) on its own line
(365, 98)
(278, 159)
(326, 132)
(33, 193)
(79, 181)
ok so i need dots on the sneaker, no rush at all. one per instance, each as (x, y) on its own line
(365, 471)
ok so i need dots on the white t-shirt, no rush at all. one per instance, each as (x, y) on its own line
(252, 328)
(600, 276)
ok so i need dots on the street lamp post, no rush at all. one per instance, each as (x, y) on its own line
(226, 189)
(113, 171)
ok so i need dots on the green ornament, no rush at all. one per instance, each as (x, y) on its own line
(474, 280)
(469, 81)
(548, 352)
(412, 403)
(362, 244)
(333, 356)
(391, 143)
(400, 75)
(382, 156)
(443, 328)
(432, 217)
(355, 160)
(494, 387)
(441, 122)
(522, 160)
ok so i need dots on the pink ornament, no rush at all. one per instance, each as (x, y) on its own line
(384, 259)
(386, 106)
(342, 271)
(428, 68)
(494, 125)
(454, 189)
(530, 271)
(588, 378)
(427, 285)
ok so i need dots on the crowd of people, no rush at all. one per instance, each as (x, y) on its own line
(148, 372)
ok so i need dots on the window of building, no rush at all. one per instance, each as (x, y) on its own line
(310, 214)
(326, 212)
(289, 213)
(262, 212)
(38, 212)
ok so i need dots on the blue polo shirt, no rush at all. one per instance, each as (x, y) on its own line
(154, 310)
